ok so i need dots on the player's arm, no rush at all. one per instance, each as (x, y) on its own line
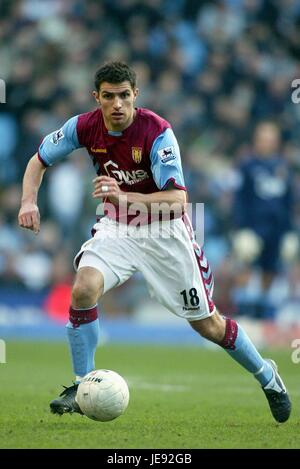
(167, 173)
(53, 148)
(169, 196)
(29, 216)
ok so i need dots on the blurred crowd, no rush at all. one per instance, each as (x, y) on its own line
(214, 69)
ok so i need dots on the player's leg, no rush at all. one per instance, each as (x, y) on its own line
(230, 335)
(103, 262)
(188, 295)
(83, 326)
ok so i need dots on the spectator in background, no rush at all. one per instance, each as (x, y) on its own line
(263, 208)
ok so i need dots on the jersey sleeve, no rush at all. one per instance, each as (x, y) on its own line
(166, 161)
(60, 143)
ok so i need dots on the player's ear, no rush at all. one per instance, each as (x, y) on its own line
(136, 93)
(96, 96)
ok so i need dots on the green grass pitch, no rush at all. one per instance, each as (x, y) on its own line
(179, 398)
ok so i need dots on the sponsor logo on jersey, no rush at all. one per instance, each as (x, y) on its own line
(124, 176)
(56, 136)
(167, 154)
(99, 150)
(136, 154)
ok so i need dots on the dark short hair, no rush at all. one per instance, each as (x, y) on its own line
(115, 72)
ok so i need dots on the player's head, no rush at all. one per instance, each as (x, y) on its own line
(116, 92)
(266, 139)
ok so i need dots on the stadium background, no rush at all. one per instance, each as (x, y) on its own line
(213, 69)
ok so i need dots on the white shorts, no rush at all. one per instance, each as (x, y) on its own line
(174, 267)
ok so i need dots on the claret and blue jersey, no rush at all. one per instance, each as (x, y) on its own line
(143, 158)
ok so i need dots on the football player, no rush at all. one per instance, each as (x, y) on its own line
(140, 180)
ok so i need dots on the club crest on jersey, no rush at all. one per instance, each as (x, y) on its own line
(136, 154)
(56, 136)
(167, 154)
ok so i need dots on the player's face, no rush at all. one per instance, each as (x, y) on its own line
(117, 104)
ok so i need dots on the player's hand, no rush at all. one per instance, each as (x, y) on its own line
(29, 217)
(106, 186)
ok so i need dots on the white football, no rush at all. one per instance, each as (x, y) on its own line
(103, 395)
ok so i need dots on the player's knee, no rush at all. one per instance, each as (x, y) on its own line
(212, 328)
(86, 290)
(83, 295)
